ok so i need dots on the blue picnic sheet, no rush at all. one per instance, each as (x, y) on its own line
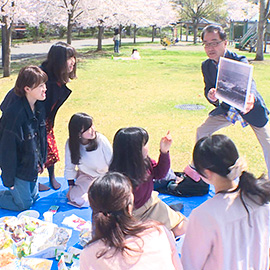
(58, 197)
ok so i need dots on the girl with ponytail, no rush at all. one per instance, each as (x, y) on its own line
(231, 230)
(119, 240)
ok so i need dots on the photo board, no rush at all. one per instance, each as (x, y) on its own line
(233, 82)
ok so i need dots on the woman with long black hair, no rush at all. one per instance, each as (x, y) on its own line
(60, 67)
(88, 155)
(130, 157)
(230, 230)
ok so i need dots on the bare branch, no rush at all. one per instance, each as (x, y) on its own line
(75, 17)
(65, 2)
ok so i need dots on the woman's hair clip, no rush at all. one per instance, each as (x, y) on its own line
(237, 169)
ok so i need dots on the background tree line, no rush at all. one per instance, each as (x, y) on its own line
(65, 15)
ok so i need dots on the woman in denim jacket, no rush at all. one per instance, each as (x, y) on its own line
(23, 141)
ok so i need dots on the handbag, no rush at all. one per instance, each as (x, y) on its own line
(186, 188)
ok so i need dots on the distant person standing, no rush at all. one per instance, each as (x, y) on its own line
(116, 39)
(256, 114)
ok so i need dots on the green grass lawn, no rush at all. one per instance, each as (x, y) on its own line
(120, 93)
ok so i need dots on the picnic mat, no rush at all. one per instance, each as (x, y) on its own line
(58, 197)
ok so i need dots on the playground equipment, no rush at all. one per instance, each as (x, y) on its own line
(249, 39)
(165, 41)
(170, 39)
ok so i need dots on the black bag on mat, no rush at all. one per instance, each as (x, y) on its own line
(186, 188)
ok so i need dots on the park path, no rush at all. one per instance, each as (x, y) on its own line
(32, 50)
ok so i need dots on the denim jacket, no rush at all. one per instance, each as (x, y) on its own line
(23, 141)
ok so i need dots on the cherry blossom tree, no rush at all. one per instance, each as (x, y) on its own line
(103, 15)
(13, 11)
(138, 13)
(160, 13)
(63, 12)
(240, 9)
(141, 13)
(195, 10)
(69, 13)
(7, 18)
(264, 15)
(244, 10)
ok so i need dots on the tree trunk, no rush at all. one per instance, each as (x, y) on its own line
(3, 43)
(134, 34)
(69, 28)
(261, 28)
(100, 36)
(195, 32)
(265, 43)
(153, 33)
(128, 30)
(120, 33)
(6, 44)
(35, 38)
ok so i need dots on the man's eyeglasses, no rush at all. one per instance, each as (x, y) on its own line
(212, 44)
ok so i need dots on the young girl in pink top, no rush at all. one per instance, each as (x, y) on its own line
(119, 240)
(231, 230)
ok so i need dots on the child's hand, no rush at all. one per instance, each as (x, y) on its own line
(165, 143)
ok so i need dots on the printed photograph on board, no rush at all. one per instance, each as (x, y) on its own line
(233, 82)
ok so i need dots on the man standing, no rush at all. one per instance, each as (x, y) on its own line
(256, 114)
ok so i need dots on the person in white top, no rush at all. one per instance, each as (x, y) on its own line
(230, 230)
(87, 155)
(135, 55)
(120, 241)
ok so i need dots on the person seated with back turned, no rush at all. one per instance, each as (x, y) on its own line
(130, 157)
(230, 230)
(23, 140)
(119, 240)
